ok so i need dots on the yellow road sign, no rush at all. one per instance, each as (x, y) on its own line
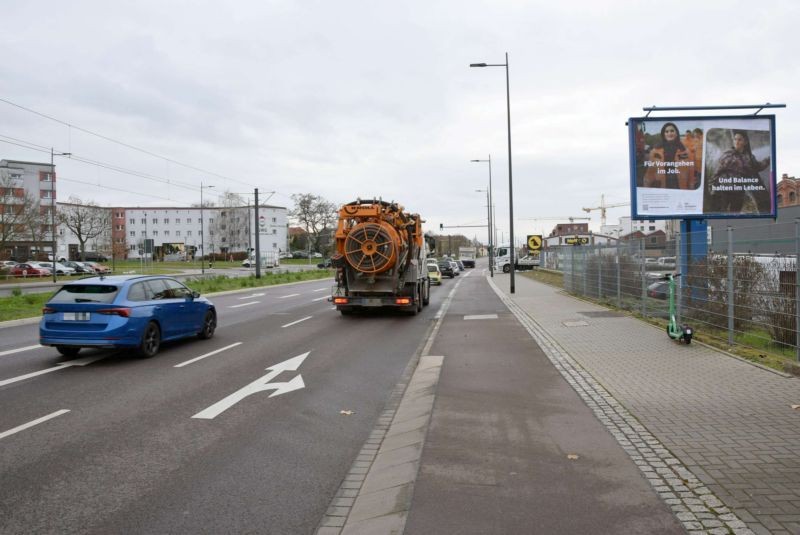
(534, 242)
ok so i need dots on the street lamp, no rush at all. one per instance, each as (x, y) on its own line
(53, 204)
(202, 231)
(489, 200)
(510, 189)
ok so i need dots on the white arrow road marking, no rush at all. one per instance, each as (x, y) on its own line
(38, 421)
(296, 322)
(319, 298)
(290, 295)
(62, 366)
(245, 304)
(260, 385)
(251, 296)
(18, 350)
(201, 357)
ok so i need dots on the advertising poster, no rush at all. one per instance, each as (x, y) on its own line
(702, 167)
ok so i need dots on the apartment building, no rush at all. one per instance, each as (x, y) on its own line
(27, 197)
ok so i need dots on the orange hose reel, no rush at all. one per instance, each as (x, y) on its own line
(372, 246)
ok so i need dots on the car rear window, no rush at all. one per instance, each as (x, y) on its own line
(85, 293)
(433, 268)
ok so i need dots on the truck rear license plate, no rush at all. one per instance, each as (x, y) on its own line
(372, 302)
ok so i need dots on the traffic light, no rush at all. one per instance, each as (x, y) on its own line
(441, 226)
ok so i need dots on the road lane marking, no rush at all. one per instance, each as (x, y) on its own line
(19, 350)
(251, 296)
(260, 385)
(62, 366)
(38, 421)
(319, 298)
(296, 322)
(290, 295)
(481, 317)
(245, 304)
(320, 289)
(201, 357)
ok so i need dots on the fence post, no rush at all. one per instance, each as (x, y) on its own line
(680, 284)
(619, 281)
(599, 274)
(584, 271)
(730, 285)
(797, 289)
(643, 277)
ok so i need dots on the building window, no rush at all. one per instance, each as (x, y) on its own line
(44, 176)
(177, 220)
(119, 227)
(166, 221)
(210, 220)
(133, 247)
(652, 227)
(155, 233)
(143, 233)
(275, 231)
(46, 194)
(177, 232)
(166, 233)
(144, 221)
(133, 233)
(792, 197)
(188, 220)
(188, 232)
(155, 221)
(780, 199)
(132, 221)
(275, 220)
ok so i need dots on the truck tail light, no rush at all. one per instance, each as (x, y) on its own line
(340, 300)
(123, 312)
(403, 301)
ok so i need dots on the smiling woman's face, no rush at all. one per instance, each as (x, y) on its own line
(670, 133)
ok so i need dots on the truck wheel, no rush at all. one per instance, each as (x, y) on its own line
(420, 291)
(507, 268)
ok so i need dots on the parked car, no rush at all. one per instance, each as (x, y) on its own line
(434, 274)
(658, 290)
(79, 268)
(316, 255)
(93, 256)
(30, 270)
(137, 312)
(460, 265)
(98, 268)
(61, 269)
(300, 254)
(446, 269)
(325, 264)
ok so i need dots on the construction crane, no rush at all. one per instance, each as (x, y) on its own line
(603, 207)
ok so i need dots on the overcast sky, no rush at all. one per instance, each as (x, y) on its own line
(348, 99)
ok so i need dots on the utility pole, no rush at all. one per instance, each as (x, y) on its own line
(258, 236)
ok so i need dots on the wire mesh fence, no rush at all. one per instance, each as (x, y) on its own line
(728, 286)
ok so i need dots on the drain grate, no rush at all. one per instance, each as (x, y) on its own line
(602, 314)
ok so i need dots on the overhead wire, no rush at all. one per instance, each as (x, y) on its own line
(123, 144)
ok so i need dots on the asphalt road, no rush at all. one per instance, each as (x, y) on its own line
(129, 457)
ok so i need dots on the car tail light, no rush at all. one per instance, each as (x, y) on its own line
(340, 300)
(48, 310)
(124, 312)
(403, 301)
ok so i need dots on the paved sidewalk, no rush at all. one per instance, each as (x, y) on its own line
(731, 424)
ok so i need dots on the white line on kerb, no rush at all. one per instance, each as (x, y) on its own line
(290, 295)
(23, 427)
(245, 304)
(18, 350)
(201, 357)
(296, 322)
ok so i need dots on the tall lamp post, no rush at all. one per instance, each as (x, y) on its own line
(489, 201)
(53, 204)
(488, 227)
(510, 182)
(202, 231)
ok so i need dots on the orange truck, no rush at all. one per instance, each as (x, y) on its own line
(379, 259)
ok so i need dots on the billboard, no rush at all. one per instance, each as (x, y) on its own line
(702, 167)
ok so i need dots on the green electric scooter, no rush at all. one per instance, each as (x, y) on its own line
(681, 333)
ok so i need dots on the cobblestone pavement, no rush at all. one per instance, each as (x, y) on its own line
(729, 423)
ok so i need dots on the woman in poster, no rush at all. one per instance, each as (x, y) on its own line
(670, 166)
(736, 186)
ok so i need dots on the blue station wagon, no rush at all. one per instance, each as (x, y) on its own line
(125, 311)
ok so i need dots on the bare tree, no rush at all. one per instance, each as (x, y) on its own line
(316, 214)
(230, 225)
(85, 220)
(38, 225)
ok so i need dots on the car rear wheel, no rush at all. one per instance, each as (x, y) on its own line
(151, 341)
(68, 351)
(209, 326)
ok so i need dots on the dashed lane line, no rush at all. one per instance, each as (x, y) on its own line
(296, 322)
(245, 304)
(19, 350)
(201, 357)
(32, 423)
